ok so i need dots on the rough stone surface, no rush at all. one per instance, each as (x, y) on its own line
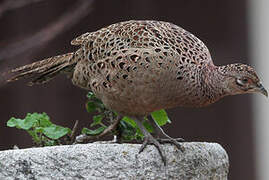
(203, 161)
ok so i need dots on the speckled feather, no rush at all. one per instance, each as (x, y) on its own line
(136, 67)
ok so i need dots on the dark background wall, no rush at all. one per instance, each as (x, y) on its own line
(221, 25)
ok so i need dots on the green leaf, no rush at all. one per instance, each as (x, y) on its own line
(12, 122)
(31, 120)
(148, 126)
(94, 104)
(97, 120)
(50, 143)
(129, 120)
(128, 132)
(44, 120)
(55, 132)
(21, 123)
(90, 107)
(39, 129)
(90, 95)
(160, 117)
(93, 132)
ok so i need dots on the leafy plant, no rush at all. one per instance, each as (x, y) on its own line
(40, 128)
(45, 133)
(127, 127)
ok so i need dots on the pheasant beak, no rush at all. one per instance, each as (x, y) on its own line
(261, 89)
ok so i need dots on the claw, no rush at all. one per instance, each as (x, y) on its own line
(168, 140)
(151, 140)
(143, 146)
(173, 141)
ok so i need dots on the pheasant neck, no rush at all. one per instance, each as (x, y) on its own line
(213, 84)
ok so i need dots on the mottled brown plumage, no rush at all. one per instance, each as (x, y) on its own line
(137, 67)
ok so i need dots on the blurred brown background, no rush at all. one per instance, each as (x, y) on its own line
(40, 29)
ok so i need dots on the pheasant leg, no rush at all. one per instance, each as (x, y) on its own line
(149, 139)
(163, 137)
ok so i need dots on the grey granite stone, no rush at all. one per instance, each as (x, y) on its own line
(203, 161)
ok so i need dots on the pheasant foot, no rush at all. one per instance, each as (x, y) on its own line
(149, 139)
(163, 137)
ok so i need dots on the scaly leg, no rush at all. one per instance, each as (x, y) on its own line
(163, 137)
(148, 138)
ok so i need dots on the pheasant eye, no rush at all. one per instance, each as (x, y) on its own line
(244, 80)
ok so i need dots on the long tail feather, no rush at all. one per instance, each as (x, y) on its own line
(45, 70)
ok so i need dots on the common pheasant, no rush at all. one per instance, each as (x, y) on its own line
(137, 67)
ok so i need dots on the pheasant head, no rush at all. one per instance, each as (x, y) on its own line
(241, 79)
